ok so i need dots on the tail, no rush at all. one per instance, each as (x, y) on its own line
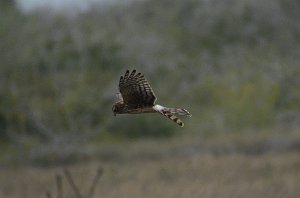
(179, 111)
(169, 113)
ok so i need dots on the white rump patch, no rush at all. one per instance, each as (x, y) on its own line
(119, 97)
(158, 108)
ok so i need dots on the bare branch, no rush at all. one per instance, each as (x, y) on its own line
(59, 186)
(95, 181)
(72, 184)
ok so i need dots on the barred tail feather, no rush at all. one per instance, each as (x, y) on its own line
(169, 113)
(172, 117)
(179, 111)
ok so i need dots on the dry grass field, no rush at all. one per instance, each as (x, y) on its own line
(157, 169)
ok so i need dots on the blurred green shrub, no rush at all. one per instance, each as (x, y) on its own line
(232, 63)
(250, 105)
(141, 126)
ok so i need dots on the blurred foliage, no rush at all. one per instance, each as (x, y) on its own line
(233, 64)
(4, 4)
(141, 126)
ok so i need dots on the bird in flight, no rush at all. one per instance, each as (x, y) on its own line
(136, 96)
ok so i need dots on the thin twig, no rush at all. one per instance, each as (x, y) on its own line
(59, 186)
(72, 184)
(95, 181)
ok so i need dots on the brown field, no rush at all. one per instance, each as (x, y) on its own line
(150, 170)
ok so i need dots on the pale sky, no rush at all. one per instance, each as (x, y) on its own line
(28, 5)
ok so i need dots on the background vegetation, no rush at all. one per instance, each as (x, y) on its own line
(233, 64)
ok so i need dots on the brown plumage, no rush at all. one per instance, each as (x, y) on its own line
(137, 96)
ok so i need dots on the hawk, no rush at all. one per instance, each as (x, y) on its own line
(136, 96)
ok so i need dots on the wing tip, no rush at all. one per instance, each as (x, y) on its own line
(133, 72)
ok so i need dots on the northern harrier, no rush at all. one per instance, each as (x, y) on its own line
(137, 96)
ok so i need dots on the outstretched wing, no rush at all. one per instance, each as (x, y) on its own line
(135, 90)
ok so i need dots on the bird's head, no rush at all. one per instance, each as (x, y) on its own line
(114, 109)
(117, 108)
